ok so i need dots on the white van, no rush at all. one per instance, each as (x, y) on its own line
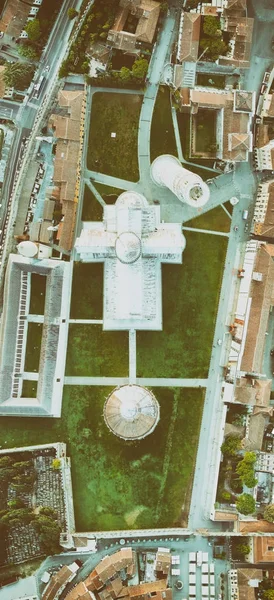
(245, 214)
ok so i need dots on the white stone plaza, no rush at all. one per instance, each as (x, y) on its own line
(133, 243)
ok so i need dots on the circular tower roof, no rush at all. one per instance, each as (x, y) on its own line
(128, 247)
(131, 412)
(27, 248)
(131, 200)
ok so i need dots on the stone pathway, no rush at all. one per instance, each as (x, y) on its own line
(223, 233)
(153, 381)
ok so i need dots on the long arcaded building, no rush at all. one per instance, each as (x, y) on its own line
(13, 336)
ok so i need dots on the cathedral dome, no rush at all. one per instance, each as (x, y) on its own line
(128, 247)
(131, 412)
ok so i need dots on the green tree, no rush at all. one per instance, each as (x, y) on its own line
(211, 26)
(268, 595)
(245, 504)
(231, 445)
(49, 533)
(214, 47)
(28, 52)
(15, 503)
(85, 67)
(86, 433)
(164, 7)
(72, 13)
(125, 74)
(269, 513)
(64, 69)
(245, 469)
(140, 68)
(56, 464)
(33, 30)
(226, 495)
(5, 461)
(18, 75)
(243, 549)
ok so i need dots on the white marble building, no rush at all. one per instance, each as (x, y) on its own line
(133, 243)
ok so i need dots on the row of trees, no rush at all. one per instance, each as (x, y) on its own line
(123, 78)
(18, 474)
(45, 524)
(245, 470)
(95, 27)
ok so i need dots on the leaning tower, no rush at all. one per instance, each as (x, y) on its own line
(166, 170)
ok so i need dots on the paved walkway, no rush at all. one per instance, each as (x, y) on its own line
(153, 381)
(223, 233)
(227, 211)
(95, 192)
(30, 376)
(111, 181)
(35, 318)
(212, 426)
(87, 321)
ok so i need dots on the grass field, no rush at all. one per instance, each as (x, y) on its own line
(215, 219)
(34, 339)
(38, 293)
(114, 113)
(29, 389)
(92, 209)
(205, 124)
(87, 291)
(190, 300)
(183, 120)
(94, 352)
(162, 138)
(108, 193)
(118, 484)
(212, 80)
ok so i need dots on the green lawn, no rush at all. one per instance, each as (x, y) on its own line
(87, 291)
(205, 124)
(94, 352)
(162, 138)
(38, 293)
(211, 80)
(183, 120)
(29, 389)
(108, 193)
(215, 219)
(34, 339)
(190, 300)
(119, 484)
(114, 113)
(92, 209)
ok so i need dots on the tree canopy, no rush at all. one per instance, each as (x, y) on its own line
(245, 504)
(72, 13)
(243, 549)
(268, 595)
(139, 68)
(28, 52)
(211, 26)
(33, 30)
(269, 513)
(231, 445)
(245, 469)
(18, 75)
